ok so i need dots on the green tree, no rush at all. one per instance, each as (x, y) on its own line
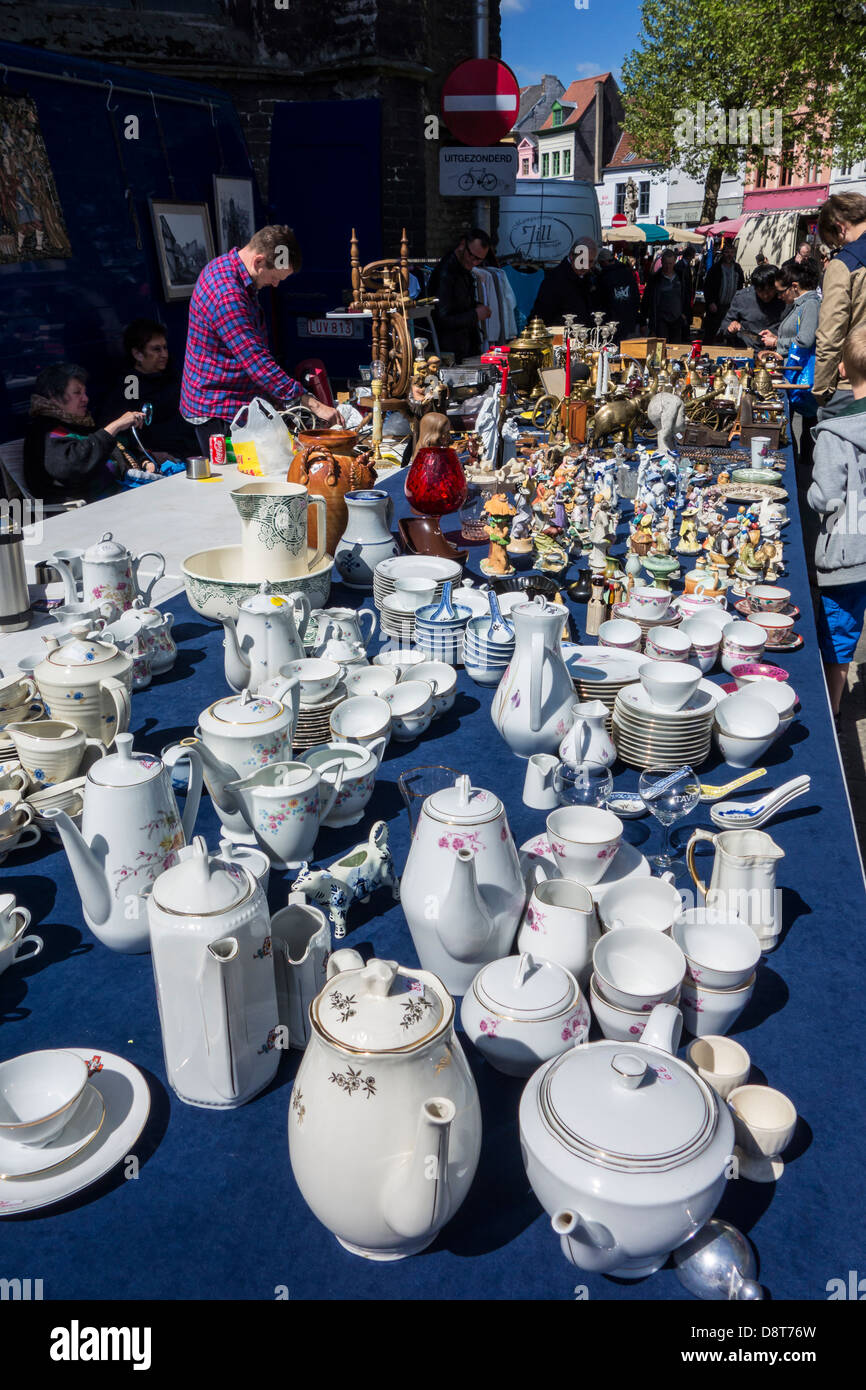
(706, 59)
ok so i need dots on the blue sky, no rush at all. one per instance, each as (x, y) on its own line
(552, 36)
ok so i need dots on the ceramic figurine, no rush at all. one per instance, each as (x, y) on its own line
(689, 544)
(352, 878)
(499, 512)
(751, 561)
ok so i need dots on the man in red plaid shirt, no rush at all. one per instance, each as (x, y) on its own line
(227, 358)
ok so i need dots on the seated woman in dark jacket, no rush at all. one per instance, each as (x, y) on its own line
(65, 455)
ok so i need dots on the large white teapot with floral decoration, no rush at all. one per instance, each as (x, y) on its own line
(384, 1083)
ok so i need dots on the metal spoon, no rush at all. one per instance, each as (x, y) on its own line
(739, 815)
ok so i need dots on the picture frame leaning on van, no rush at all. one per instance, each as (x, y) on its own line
(184, 244)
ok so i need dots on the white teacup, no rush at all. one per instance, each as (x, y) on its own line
(14, 950)
(768, 598)
(720, 1061)
(15, 691)
(399, 659)
(650, 602)
(584, 841)
(721, 954)
(371, 680)
(706, 639)
(741, 642)
(13, 919)
(317, 677)
(39, 1094)
(621, 1025)
(669, 684)
(706, 1010)
(411, 594)
(12, 788)
(361, 719)
(411, 704)
(668, 644)
(653, 903)
(746, 715)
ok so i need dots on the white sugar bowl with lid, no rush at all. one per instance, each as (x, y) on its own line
(87, 683)
(384, 1082)
(626, 1148)
(462, 891)
(234, 737)
(519, 1012)
(215, 983)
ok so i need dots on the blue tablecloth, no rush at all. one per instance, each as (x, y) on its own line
(215, 1213)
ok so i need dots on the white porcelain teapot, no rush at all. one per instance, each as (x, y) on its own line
(532, 704)
(131, 831)
(88, 683)
(626, 1148)
(215, 985)
(237, 735)
(384, 1084)
(109, 577)
(264, 637)
(462, 890)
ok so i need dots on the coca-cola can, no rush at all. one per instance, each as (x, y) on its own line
(217, 450)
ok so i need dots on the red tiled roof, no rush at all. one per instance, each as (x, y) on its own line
(625, 155)
(578, 95)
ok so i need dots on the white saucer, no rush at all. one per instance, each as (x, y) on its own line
(602, 664)
(699, 706)
(537, 864)
(127, 1105)
(19, 1161)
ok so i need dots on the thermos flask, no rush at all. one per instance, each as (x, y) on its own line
(14, 594)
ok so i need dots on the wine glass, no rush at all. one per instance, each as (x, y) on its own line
(669, 796)
(417, 783)
(583, 784)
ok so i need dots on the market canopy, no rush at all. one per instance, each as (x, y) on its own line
(729, 226)
(653, 232)
(627, 232)
(686, 235)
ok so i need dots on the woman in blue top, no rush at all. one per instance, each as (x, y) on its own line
(797, 286)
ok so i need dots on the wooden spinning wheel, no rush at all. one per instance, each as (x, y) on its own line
(383, 288)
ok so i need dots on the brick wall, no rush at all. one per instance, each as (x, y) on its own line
(397, 51)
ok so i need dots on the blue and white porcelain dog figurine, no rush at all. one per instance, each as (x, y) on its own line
(352, 878)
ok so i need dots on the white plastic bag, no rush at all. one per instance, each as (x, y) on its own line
(260, 440)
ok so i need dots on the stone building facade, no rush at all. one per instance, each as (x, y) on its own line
(265, 51)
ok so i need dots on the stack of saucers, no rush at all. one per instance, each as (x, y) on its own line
(396, 621)
(600, 673)
(434, 567)
(647, 734)
(439, 629)
(672, 618)
(314, 720)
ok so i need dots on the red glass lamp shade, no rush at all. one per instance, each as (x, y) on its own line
(436, 484)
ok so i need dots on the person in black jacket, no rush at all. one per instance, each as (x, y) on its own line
(618, 293)
(570, 288)
(65, 456)
(753, 310)
(458, 312)
(149, 377)
(721, 282)
(665, 307)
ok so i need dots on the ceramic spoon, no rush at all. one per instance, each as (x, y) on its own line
(740, 815)
(709, 793)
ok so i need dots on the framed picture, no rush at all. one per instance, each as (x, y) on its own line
(235, 212)
(184, 244)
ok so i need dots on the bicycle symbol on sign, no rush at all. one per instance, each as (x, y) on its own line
(478, 178)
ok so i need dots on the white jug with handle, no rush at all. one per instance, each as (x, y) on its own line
(588, 741)
(743, 881)
(532, 705)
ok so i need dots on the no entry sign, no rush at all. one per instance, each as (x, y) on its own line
(619, 219)
(480, 101)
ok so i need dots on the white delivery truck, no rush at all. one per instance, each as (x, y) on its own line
(544, 218)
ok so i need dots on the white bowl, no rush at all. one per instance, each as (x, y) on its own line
(779, 694)
(668, 644)
(741, 752)
(443, 680)
(721, 954)
(411, 705)
(741, 642)
(713, 1011)
(371, 680)
(621, 633)
(745, 715)
(702, 635)
(650, 903)
(721, 1062)
(39, 1094)
(584, 840)
(317, 677)
(669, 684)
(637, 968)
(396, 659)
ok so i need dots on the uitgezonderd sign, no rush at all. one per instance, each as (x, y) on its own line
(485, 172)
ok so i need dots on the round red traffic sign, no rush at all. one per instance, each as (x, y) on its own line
(480, 101)
(619, 219)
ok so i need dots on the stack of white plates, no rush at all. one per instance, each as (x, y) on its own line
(314, 721)
(600, 673)
(646, 735)
(396, 567)
(397, 622)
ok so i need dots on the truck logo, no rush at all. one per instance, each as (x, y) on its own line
(542, 238)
